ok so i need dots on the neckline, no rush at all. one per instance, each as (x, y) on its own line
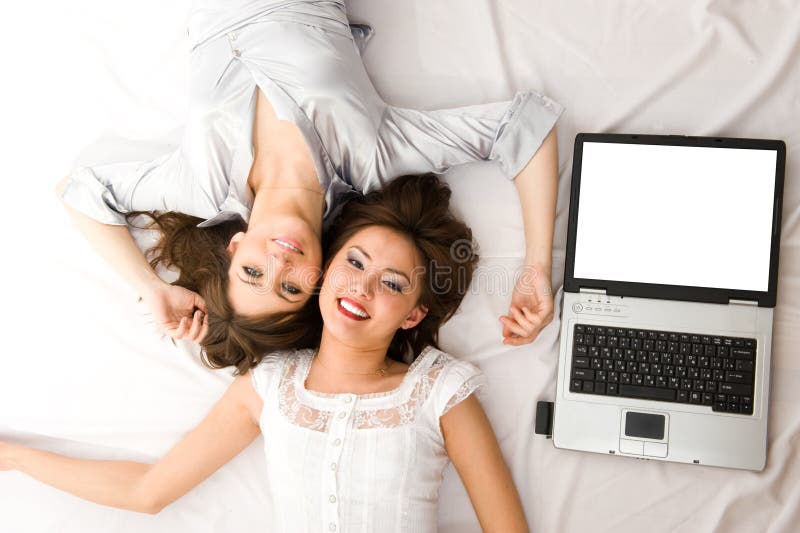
(301, 374)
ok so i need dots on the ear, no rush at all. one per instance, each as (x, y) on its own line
(414, 317)
(235, 240)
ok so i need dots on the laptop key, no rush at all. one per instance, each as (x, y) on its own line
(580, 362)
(576, 385)
(599, 388)
(612, 388)
(583, 373)
(747, 405)
(647, 393)
(736, 388)
(744, 365)
(739, 377)
(742, 353)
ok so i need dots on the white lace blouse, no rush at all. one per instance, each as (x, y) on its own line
(358, 463)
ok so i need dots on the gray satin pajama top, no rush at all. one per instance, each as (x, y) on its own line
(303, 57)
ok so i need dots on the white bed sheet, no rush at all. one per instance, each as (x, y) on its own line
(84, 373)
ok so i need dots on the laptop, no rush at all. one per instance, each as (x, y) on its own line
(669, 292)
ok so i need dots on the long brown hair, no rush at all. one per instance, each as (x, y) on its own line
(200, 255)
(418, 207)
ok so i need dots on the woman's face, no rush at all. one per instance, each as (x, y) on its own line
(372, 288)
(275, 266)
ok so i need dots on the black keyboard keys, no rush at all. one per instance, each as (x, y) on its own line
(647, 393)
(703, 370)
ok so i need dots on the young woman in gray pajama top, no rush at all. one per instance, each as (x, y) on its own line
(284, 124)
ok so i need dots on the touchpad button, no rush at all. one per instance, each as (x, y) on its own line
(634, 447)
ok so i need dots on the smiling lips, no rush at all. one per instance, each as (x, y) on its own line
(352, 309)
(289, 245)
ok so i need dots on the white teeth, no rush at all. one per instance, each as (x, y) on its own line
(353, 309)
(289, 246)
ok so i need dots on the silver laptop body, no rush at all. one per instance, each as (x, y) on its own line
(672, 254)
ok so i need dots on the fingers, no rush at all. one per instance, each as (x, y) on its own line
(199, 328)
(200, 303)
(191, 329)
(513, 326)
(523, 325)
(529, 321)
(197, 324)
(181, 330)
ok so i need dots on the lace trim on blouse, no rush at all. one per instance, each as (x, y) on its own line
(308, 417)
(467, 388)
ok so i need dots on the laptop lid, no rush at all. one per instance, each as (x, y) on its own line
(679, 218)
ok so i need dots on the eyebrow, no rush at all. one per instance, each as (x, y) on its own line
(393, 270)
(279, 293)
(360, 249)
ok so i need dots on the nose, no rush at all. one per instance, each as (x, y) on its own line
(366, 284)
(280, 258)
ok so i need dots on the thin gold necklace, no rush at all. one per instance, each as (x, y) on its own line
(379, 372)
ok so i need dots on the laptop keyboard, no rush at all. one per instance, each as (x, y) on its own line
(664, 366)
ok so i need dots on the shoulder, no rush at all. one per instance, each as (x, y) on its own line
(447, 366)
(451, 379)
(270, 368)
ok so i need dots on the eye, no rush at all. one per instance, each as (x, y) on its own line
(252, 272)
(356, 263)
(291, 289)
(392, 285)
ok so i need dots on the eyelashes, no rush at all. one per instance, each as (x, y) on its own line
(360, 266)
(252, 272)
(256, 273)
(291, 289)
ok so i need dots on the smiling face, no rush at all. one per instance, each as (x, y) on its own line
(274, 267)
(372, 288)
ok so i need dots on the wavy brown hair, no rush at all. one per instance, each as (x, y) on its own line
(200, 255)
(418, 207)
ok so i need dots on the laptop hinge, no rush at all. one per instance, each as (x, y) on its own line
(742, 302)
(592, 291)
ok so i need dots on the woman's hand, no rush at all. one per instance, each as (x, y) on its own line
(531, 306)
(179, 312)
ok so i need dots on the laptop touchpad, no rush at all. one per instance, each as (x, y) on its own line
(644, 425)
(644, 433)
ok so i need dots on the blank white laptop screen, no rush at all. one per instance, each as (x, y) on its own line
(675, 215)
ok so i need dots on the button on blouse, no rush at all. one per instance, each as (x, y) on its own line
(377, 469)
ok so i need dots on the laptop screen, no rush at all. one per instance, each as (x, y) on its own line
(676, 215)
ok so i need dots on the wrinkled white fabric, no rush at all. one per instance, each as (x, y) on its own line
(358, 463)
(302, 56)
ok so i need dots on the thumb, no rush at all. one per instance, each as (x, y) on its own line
(199, 302)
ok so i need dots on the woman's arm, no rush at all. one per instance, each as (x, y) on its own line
(230, 427)
(532, 301)
(168, 303)
(520, 136)
(472, 446)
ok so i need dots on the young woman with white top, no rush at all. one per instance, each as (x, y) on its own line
(284, 124)
(356, 438)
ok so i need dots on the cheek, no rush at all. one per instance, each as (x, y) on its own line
(309, 276)
(338, 279)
